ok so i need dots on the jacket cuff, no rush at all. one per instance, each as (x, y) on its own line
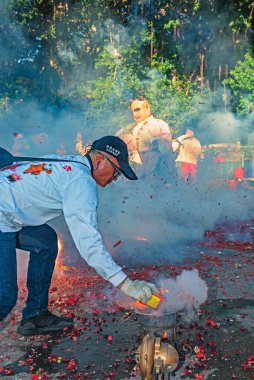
(117, 278)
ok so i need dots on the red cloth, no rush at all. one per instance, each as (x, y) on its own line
(232, 183)
(219, 159)
(189, 169)
(239, 173)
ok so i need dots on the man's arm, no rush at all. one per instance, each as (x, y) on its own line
(79, 207)
(181, 138)
(80, 211)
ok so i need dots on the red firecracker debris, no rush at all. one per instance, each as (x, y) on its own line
(39, 375)
(211, 344)
(187, 371)
(199, 376)
(72, 365)
(117, 243)
(200, 337)
(200, 353)
(9, 372)
(212, 323)
(249, 364)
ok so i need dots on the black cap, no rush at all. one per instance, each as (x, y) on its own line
(117, 148)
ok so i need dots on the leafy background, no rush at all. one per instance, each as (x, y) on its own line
(88, 59)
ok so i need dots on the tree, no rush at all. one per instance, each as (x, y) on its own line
(98, 54)
(241, 83)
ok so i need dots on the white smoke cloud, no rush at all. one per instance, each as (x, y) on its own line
(182, 294)
(40, 131)
(171, 220)
(186, 291)
(219, 127)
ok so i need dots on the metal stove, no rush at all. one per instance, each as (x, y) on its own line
(157, 355)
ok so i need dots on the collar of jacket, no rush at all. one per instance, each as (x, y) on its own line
(87, 156)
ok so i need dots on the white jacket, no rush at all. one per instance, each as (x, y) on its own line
(189, 149)
(34, 195)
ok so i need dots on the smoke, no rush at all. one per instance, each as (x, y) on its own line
(213, 127)
(169, 220)
(219, 127)
(30, 129)
(186, 292)
(154, 223)
(247, 130)
(22, 263)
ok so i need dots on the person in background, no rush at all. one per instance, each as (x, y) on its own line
(34, 193)
(189, 151)
(149, 140)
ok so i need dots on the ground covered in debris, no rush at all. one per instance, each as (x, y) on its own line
(222, 339)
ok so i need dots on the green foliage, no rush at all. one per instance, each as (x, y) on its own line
(241, 21)
(119, 81)
(241, 83)
(171, 99)
(242, 16)
(98, 55)
(196, 5)
(171, 24)
(116, 83)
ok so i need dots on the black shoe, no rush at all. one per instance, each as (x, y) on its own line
(44, 323)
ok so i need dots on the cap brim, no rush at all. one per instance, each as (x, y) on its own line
(127, 171)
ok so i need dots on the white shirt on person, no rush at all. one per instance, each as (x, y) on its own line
(189, 149)
(33, 194)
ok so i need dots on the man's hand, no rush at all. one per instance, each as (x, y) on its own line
(140, 290)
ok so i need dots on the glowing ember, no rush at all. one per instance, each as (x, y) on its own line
(60, 252)
(139, 305)
(141, 238)
(80, 147)
(132, 304)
